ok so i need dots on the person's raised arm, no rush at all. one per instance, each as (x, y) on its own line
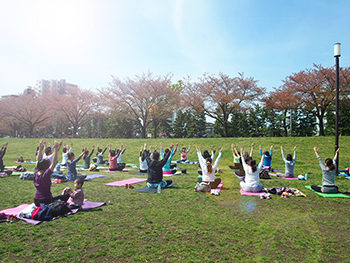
(295, 153)
(316, 152)
(252, 150)
(93, 149)
(39, 155)
(271, 151)
(57, 147)
(336, 154)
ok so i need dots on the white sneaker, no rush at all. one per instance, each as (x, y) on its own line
(159, 189)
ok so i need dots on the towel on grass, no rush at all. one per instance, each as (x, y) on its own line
(334, 195)
(127, 181)
(94, 176)
(16, 210)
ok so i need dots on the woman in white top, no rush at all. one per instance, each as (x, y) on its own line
(208, 170)
(143, 162)
(251, 182)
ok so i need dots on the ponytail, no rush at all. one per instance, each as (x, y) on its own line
(252, 164)
(209, 167)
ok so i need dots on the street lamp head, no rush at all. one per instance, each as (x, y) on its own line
(337, 50)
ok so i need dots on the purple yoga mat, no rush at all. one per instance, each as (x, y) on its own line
(94, 176)
(16, 210)
(291, 178)
(127, 181)
(249, 193)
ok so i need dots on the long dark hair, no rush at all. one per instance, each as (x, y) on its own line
(289, 157)
(43, 164)
(209, 167)
(252, 163)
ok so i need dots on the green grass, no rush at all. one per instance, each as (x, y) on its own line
(180, 225)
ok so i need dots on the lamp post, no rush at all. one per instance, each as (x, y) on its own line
(337, 55)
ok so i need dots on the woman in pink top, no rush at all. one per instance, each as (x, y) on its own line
(113, 161)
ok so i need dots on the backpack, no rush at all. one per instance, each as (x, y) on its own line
(44, 214)
(27, 176)
(59, 208)
(93, 167)
(202, 187)
(264, 174)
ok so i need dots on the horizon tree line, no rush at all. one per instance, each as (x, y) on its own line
(136, 107)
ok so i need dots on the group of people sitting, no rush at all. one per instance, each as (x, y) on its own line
(250, 171)
(157, 164)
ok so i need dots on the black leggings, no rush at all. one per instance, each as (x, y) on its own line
(64, 197)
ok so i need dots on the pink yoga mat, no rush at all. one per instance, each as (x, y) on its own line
(218, 188)
(292, 178)
(249, 193)
(127, 181)
(14, 211)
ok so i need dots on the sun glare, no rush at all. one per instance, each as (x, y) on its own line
(60, 23)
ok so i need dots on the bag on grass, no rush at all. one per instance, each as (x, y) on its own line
(202, 187)
(264, 174)
(44, 213)
(59, 208)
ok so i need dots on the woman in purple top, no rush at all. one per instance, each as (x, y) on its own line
(42, 177)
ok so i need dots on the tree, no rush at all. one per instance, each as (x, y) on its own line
(29, 111)
(75, 106)
(315, 90)
(219, 96)
(145, 99)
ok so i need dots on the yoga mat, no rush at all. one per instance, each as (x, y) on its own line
(127, 181)
(94, 176)
(130, 164)
(147, 189)
(238, 176)
(138, 173)
(334, 195)
(292, 178)
(124, 170)
(249, 193)
(16, 210)
(217, 188)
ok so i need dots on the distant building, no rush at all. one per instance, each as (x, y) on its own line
(48, 85)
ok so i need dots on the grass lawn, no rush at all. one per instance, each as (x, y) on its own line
(180, 225)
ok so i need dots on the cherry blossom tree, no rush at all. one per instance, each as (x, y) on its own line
(219, 96)
(144, 99)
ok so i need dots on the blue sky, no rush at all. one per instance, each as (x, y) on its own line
(87, 41)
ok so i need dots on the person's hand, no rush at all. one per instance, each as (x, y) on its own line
(71, 145)
(282, 148)
(316, 150)
(211, 147)
(253, 144)
(221, 150)
(161, 146)
(337, 151)
(259, 146)
(145, 146)
(93, 146)
(198, 148)
(295, 148)
(171, 146)
(242, 149)
(177, 144)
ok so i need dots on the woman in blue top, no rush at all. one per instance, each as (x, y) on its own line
(72, 173)
(267, 158)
